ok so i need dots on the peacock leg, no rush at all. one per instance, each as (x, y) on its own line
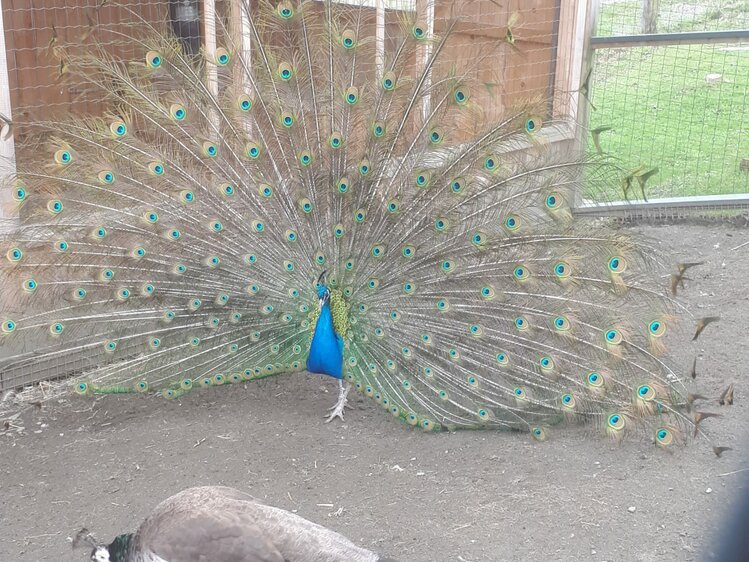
(337, 409)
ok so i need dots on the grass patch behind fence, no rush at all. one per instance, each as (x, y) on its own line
(666, 110)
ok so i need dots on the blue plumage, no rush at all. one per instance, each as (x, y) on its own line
(326, 352)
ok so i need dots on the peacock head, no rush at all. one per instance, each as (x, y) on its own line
(323, 292)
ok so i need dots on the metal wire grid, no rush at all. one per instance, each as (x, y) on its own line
(679, 108)
(625, 17)
(40, 90)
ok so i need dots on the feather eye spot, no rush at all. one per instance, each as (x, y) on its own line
(336, 140)
(63, 157)
(568, 401)
(265, 190)
(118, 128)
(595, 380)
(222, 56)
(461, 96)
(285, 71)
(106, 177)
(305, 205)
(487, 293)
(512, 223)
(418, 30)
(348, 39)
(409, 287)
(520, 273)
(408, 251)
(61, 246)
(29, 285)
(617, 264)
(457, 186)
(156, 168)
(552, 201)
(19, 194)
(287, 119)
(305, 158)
(443, 305)
(657, 328)
(447, 266)
(521, 323)
(532, 124)
(178, 111)
(436, 136)
(14, 255)
(285, 10)
(342, 185)
(561, 324)
(364, 167)
(664, 436)
(153, 59)
(388, 81)
(538, 434)
(186, 196)
(646, 392)
(393, 206)
(245, 102)
(338, 231)
(441, 224)
(9, 326)
(616, 422)
(378, 129)
(562, 270)
(613, 337)
(55, 206)
(252, 150)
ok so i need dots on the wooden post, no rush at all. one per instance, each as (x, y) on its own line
(649, 16)
(209, 27)
(7, 145)
(583, 85)
(380, 38)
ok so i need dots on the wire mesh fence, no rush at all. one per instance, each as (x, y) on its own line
(674, 106)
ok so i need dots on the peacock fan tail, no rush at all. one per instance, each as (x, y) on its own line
(239, 204)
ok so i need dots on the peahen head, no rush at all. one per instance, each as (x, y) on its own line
(116, 551)
(100, 554)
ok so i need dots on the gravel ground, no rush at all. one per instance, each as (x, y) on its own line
(470, 496)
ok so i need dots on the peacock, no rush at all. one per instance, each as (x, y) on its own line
(225, 525)
(297, 197)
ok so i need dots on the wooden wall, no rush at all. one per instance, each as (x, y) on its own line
(33, 28)
(39, 92)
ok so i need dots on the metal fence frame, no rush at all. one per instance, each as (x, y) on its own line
(667, 206)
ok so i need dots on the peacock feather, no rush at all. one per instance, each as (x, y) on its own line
(292, 200)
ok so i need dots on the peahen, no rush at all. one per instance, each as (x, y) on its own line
(225, 525)
(302, 197)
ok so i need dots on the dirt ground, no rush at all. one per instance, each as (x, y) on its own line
(470, 496)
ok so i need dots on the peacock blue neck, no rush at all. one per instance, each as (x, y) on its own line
(118, 548)
(326, 352)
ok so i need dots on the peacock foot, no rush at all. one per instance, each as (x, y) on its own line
(336, 411)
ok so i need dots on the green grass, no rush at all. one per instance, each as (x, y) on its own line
(662, 110)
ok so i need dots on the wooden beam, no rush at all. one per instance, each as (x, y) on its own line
(522, 33)
(660, 39)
